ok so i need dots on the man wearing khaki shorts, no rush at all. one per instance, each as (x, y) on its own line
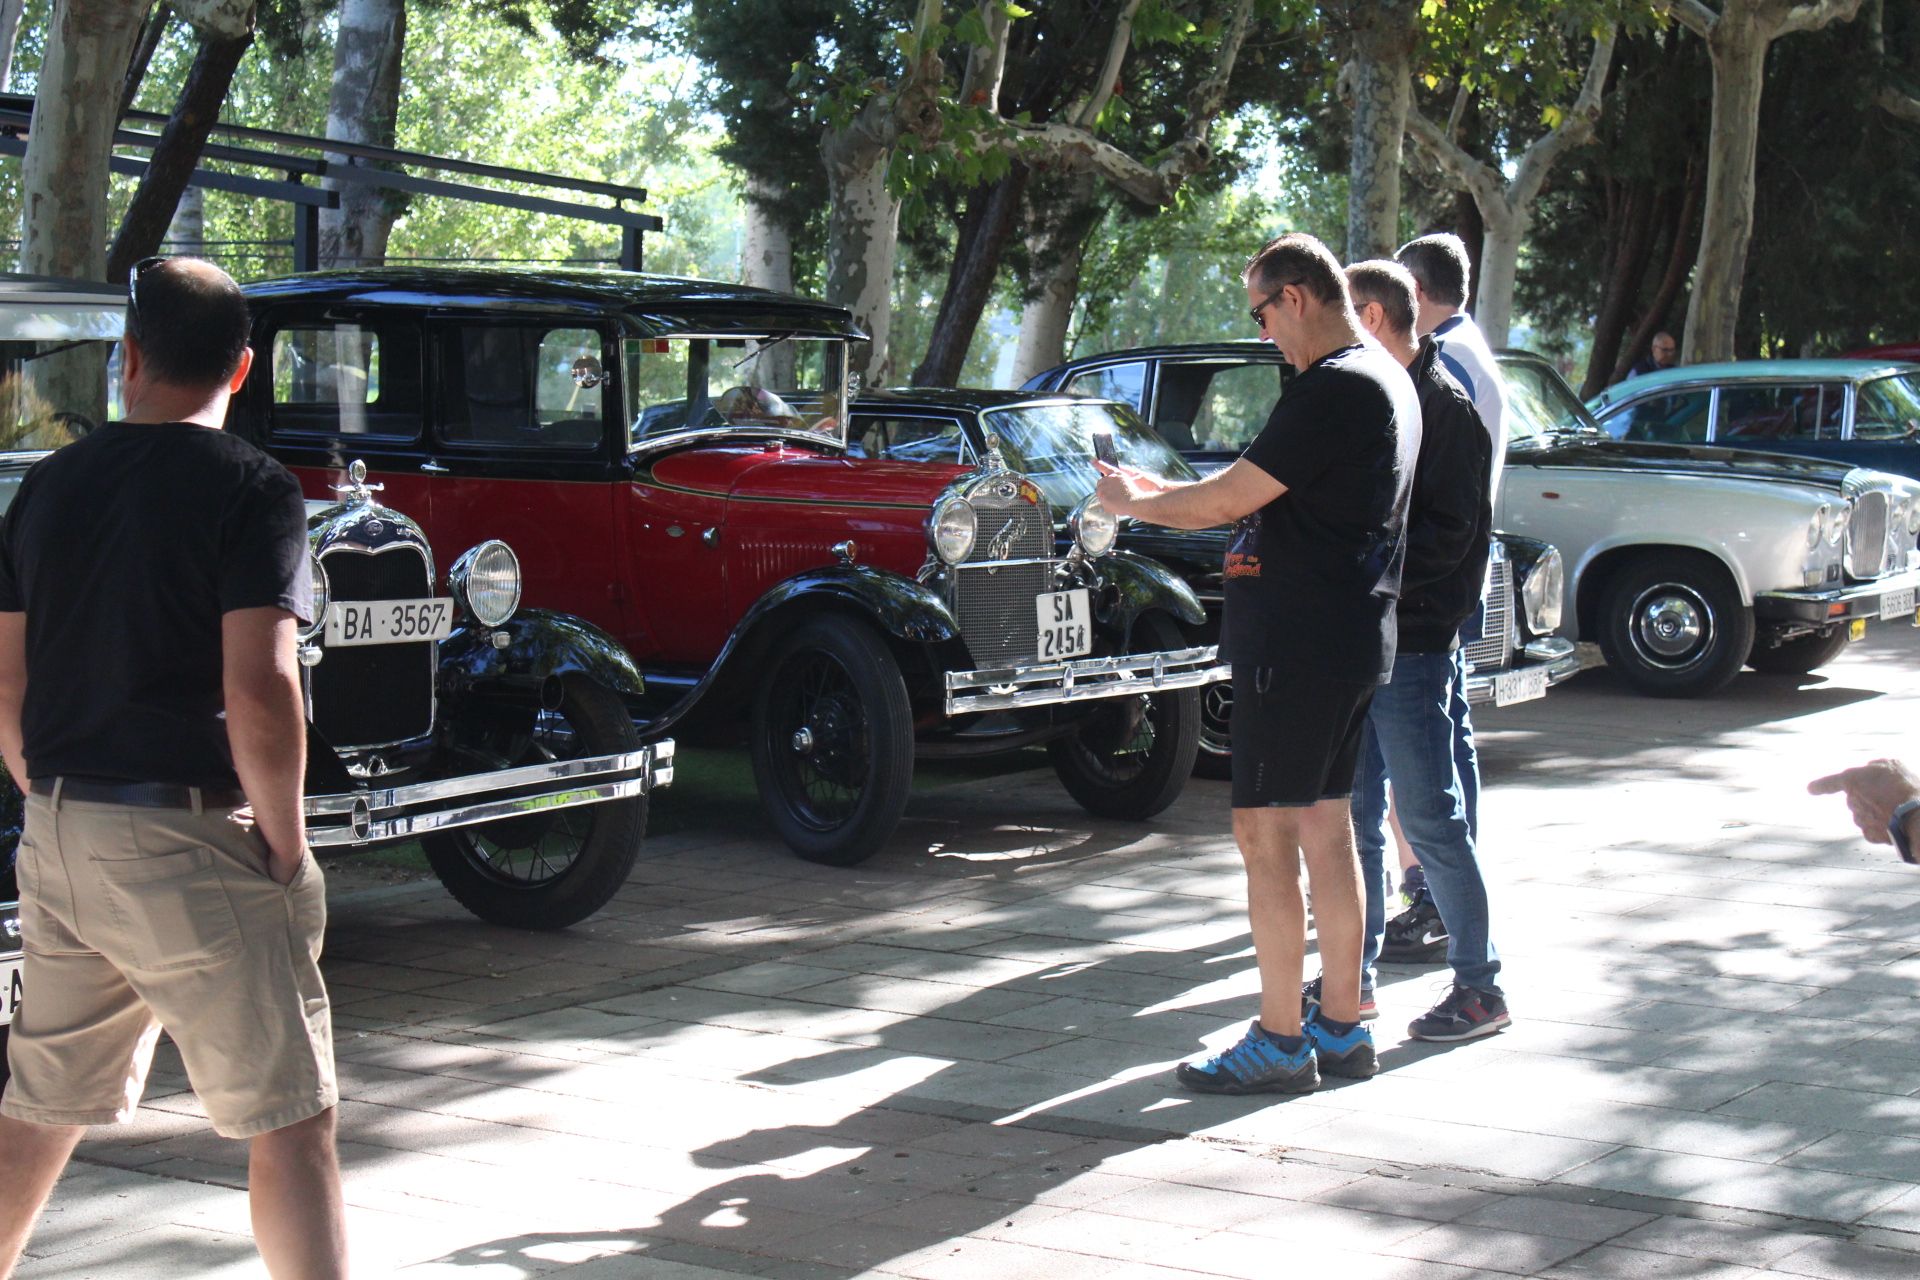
(153, 575)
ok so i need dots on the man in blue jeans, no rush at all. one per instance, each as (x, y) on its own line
(1409, 735)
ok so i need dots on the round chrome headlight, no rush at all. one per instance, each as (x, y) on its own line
(1817, 526)
(952, 529)
(1541, 593)
(486, 582)
(1093, 527)
(322, 597)
(1837, 530)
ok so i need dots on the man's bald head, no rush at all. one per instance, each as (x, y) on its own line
(189, 319)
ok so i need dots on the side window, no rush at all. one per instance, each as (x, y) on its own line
(1215, 406)
(1797, 411)
(346, 379)
(1680, 418)
(521, 386)
(1888, 409)
(905, 438)
(1126, 383)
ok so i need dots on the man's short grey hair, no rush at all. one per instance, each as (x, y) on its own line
(1299, 259)
(1389, 284)
(1440, 264)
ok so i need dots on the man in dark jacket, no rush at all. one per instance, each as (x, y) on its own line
(1409, 734)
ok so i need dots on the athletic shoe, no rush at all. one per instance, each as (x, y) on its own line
(1415, 935)
(1310, 1000)
(1255, 1065)
(1350, 1054)
(1413, 886)
(1466, 1013)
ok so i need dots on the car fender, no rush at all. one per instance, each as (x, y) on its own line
(1132, 585)
(540, 646)
(904, 609)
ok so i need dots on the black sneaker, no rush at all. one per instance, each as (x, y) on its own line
(1416, 934)
(1310, 1000)
(1466, 1014)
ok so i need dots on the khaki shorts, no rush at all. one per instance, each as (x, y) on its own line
(136, 919)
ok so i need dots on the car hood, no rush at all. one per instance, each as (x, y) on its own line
(1682, 460)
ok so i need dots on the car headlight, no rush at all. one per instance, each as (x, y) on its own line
(1541, 592)
(1093, 527)
(1817, 526)
(322, 597)
(486, 582)
(1837, 530)
(952, 529)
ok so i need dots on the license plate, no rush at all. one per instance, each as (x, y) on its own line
(1519, 686)
(1897, 604)
(9, 990)
(388, 621)
(1066, 624)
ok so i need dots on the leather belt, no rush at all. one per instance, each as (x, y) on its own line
(139, 795)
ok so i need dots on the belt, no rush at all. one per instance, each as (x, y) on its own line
(140, 795)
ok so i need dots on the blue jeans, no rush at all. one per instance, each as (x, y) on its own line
(1410, 738)
(1466, 756)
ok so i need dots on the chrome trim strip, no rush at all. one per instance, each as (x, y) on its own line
(1854, 591)
(1083, 680)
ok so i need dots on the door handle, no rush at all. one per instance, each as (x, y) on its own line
(432, 468)
(711, 536)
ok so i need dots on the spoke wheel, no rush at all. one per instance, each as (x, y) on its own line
(832, 741)
(552, 867)
(1131, 756)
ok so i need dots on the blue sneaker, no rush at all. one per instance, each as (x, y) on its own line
(1350, 1055)
(1255, 1065)
(1310, 1000)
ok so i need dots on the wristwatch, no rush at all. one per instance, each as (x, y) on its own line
(1897, 828)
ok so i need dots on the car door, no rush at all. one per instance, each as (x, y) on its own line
(1885, 432)
(1806, 418)
(1682, 416)
(1217, 406)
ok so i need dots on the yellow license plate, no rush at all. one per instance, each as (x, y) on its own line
(1857, 629)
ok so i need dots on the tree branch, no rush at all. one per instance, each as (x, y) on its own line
(1089, 111)
(1819, 13)
(987, 63)
(1461, 97)
(1574, 128)
(1691, 14)
(1478, 178)
(1902, 106)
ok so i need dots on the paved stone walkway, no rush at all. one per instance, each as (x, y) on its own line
(953, 1062)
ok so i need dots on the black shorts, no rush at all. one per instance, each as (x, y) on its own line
(1296, 737)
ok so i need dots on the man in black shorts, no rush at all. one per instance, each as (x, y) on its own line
(153, 577)
(1319, 502)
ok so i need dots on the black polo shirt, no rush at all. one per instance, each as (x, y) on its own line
(124, 549)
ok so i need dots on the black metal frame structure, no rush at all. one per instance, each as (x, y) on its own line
(289, 155)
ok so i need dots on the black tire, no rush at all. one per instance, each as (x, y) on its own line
(1798, 656)
(1672, 623)
(832, 738)
(1132, 756)
(554, 867)
(1215, 757)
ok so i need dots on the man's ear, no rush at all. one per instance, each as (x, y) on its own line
(240, 372)
(131, 359)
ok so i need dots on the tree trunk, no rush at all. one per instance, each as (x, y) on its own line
(187, 233)
(1739, 49)
(988, 225)
(1507, 225)
(362, 106)
(863, 226)
(766, 254)
(151, 34)
(1378, 77)
(178, 151)
(1056, 249)
(1679, 253)
(10, 11)
(1630, 232)
(1471, 226)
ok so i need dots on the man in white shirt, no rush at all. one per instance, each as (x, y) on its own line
(1441, 273)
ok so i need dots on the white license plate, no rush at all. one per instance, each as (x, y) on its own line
(1066, 624)
(1897, 604)
(1519, 686)
(9, 990)
(388, 621)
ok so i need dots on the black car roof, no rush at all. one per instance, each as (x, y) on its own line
(974, 398)
(669, 303)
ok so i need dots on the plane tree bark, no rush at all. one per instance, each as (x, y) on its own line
(363, 106)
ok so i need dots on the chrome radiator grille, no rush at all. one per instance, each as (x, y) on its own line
(1494, 649)
(1867, 535)
(377, 694)
(1011, 563)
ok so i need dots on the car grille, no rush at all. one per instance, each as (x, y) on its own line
(1867, 535)
(377, 694)
(993, 589)
(1494, 649)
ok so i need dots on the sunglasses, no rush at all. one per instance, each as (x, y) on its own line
(140, 268)
(1258, 312)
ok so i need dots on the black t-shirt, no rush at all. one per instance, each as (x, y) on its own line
(1311, 578)
(124, 549)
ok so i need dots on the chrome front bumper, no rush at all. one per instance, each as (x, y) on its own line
(399, 813)
(1560, 657)
(1832, 604)
(1083, 680)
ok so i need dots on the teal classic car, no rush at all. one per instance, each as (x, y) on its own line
(1865, 413)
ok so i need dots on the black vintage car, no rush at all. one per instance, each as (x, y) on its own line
(1049, 436)
(439, 709)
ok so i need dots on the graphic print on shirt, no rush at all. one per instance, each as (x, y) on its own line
(1243, 548)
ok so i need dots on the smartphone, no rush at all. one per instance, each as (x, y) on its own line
(1103, 448)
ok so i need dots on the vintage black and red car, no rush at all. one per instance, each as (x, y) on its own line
(670, 460)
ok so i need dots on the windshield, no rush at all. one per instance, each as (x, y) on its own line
(1052, 445)
(1888, 408)
(678, 385)
(1540, 403)
(54, 392)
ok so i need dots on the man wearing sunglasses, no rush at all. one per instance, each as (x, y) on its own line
(153, 576)
(1319, 505)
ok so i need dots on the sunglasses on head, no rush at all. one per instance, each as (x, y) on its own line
(140, 268)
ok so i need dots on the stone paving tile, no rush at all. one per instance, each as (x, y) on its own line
(1845, 1260)
(1591, 1223)
(1106, 1235)
(1834, 1108)
(1488, 1248)
(1807, 1193)
(1612, 1263)
(1879, 1155)
(973, 1259)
